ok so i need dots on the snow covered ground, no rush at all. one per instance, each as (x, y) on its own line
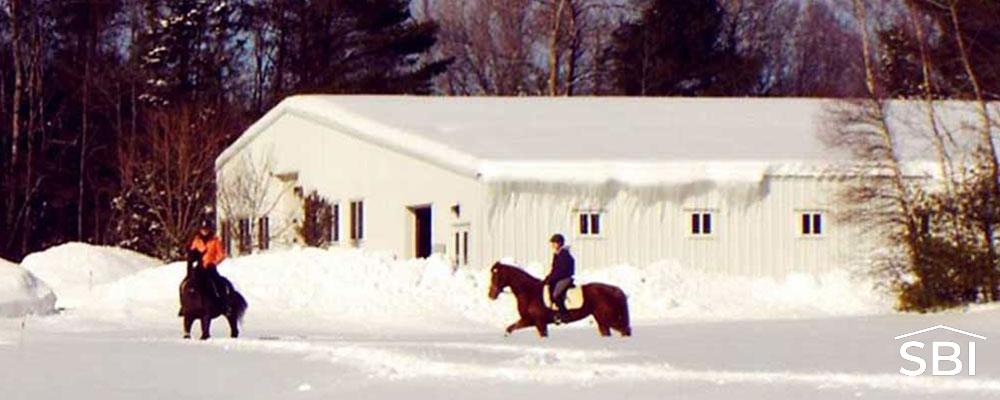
(22, 293)
(335, 324)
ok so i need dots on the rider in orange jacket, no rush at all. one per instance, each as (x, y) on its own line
(204, 255)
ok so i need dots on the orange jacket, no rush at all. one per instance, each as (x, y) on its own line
(212, 252)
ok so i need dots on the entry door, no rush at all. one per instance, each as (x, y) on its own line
(422, 231)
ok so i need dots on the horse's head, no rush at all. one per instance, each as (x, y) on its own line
(498, 280)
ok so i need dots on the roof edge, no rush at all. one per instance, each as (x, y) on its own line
(377, 134)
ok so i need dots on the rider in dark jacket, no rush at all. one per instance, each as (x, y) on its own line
(560, 278)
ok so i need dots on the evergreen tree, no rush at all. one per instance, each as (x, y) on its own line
(980, 33)
(345, 46)
(679, 47)
(188, 51)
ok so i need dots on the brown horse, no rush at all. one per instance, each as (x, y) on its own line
(606, 303)
(196, 304)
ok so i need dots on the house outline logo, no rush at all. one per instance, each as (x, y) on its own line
(938, 358)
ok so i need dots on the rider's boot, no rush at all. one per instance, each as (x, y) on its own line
(560, 315)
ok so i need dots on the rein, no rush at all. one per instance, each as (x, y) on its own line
(520, 281)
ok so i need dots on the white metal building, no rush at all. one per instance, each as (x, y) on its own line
(732, 185)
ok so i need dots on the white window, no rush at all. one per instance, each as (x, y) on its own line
(357, 220)
(589, 223)
(461, 256)
(811, 223)
(701, 223)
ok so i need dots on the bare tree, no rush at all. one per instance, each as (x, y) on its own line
(880, 196)
(938, 230)
(523, 47)
(577, 32)
(251, 189)
(168, 176)
(491, 42)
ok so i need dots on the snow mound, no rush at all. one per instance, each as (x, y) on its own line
(352, 290)
(346, 289)
(73, 270)
(667, 290)
(21, 293)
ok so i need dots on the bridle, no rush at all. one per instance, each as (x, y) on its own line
(495, 291)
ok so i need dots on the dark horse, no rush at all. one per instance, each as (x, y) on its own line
(197, 304)
(606, 303)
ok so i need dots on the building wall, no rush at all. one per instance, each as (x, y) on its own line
(343, 168)
(753, 234)
(756, 225)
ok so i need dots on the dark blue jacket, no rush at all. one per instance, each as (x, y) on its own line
(563, 266)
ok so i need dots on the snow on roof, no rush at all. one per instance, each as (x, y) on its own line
(634, 140)
(600, 128)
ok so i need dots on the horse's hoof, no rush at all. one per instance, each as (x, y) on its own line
(204, 338)
(187, 336)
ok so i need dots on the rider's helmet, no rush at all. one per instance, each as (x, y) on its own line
(207, 225)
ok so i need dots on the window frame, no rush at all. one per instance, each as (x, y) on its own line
(335, 222)
(806, 223)
(245, 235)
(460, 254)
(696, 221)
(264, 233)
(227, 235)
(357, 227)
(584, 219)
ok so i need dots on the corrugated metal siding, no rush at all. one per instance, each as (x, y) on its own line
(752, 236)
(760, 238)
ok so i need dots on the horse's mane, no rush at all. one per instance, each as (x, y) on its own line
(519, 271)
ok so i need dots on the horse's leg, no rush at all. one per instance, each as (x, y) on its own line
(604, 329)
(604, 319)
(188, 321)
(521, 323)
(543, 329)
(206, 327)
(625, 331)
(234, 326)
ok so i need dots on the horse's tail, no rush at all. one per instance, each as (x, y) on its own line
(238, 306)
(623, 317)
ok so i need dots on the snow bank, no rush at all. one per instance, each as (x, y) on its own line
(74, 269)
(668, 290)
(343, 289)
(22, 294)
(353, 290)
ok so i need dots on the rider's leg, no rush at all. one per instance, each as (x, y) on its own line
(559, 297)
(213, 280)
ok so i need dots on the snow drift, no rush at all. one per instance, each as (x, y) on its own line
(353, 290)
(669, 290)
(73, 270)
(21, 293)
(343, 289)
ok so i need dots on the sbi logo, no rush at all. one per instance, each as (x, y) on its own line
(946, 357)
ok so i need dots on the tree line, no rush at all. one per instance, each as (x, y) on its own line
(931, 79)
(112, 111)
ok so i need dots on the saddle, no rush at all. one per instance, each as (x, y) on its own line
(225, 287)
(574, 298)
(190, 286)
